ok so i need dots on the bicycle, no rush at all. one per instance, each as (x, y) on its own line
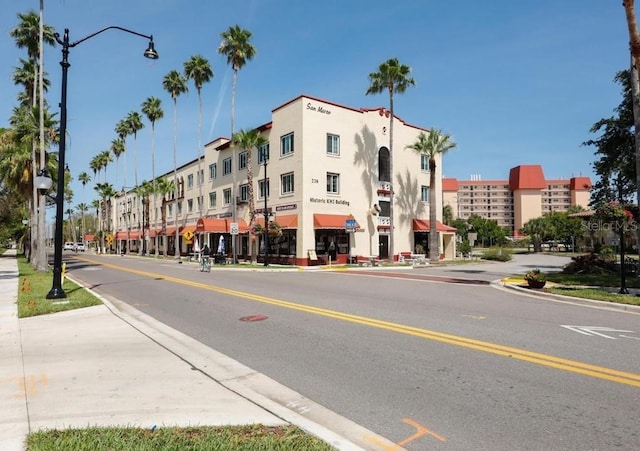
(205, 264)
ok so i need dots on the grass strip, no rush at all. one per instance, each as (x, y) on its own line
(33, 287)
(227, 438)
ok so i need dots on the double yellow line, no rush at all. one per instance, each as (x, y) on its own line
(573, 366)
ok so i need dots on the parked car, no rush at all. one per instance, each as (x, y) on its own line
(79, 247)
(69, 246)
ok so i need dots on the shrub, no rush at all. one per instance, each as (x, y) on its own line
(501, 254)
(535, 275)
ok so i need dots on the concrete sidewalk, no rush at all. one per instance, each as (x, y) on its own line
(112, 365)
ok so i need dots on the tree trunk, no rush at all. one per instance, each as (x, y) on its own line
(634, 43)
(391, 196)
(434, 242)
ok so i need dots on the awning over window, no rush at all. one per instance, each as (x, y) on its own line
(122, 235)
(326, 221)
(284, 221)
(422, 225)
(214, 225)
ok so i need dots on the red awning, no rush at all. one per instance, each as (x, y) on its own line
(122, 235)
(215, 225)
(284, 221)
(326, 221)
(422, 225)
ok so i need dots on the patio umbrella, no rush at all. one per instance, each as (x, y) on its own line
(221, 245)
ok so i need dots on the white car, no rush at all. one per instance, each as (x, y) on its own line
(69, 246)
(79, 247)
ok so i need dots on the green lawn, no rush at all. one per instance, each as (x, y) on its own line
(228, 438)
(33, 287)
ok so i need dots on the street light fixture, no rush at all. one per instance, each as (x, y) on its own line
(56, 291)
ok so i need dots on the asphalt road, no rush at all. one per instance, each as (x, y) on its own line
(431, 358)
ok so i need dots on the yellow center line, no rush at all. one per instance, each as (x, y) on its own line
(573, 366)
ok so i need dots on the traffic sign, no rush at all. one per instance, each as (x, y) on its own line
(350, 225)
(109, 239)
(188, 235)
(233, 228)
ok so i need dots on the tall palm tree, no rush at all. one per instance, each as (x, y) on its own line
(122, 130)
(82, 209)
(143, 191)
(434, 145)
(32, 34)
(107, 194)
(105, 158)
(117, 148)
(83, 178)
(198, 69)
(394, 78)
(164, 187)
(249, 140)
(175, 84)
(152, 108)
(236, 47)
(135, 125)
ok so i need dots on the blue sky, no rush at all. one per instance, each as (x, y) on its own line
(514, 82)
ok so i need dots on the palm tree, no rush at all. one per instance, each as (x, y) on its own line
(105, 158)
(249, 140)
(83, 178)
(164, 187)
(82, 209)
(152, 108)
(106, 193)
(236, 47)
(394, 78)
(135, 125)
(198, 69)
(32, 34)
(122, 130)
(117, 148)
(433, 144)
(143, 191)
(175, 84)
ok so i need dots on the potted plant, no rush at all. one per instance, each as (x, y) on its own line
(535, 278)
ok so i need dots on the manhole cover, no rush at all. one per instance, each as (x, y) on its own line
(252, 318)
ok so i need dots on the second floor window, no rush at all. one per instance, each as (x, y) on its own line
(333, 144)
(226, 166)
(242, 160)
(286, 144)
(213, 171)
(424, 194)
(213, 199)
(180, 207)
(244, 193)
(190, 206)
(200, 176)
(286, 182)
(189, 181)
(226, 196)
(333, 183)
(263, 188)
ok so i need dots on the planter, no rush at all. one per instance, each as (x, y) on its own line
(536, 283)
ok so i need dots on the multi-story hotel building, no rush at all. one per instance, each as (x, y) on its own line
(326, 184)
(513, 202)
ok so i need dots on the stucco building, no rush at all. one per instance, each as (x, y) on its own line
(326, 184)
(511, 202)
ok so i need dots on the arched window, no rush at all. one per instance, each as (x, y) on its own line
(384, 172)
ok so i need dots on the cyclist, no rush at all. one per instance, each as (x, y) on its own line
(205, 265)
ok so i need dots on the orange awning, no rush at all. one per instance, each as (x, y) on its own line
(422, 225)
(326, 221)
(284, 221)
(133, 235)
(215, 225)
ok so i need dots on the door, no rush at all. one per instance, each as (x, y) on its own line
(383, 246)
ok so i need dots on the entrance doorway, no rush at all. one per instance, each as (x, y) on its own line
(383, 246)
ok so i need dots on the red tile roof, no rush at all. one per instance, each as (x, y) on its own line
(580, 183)
(526, 176)
(450, 184)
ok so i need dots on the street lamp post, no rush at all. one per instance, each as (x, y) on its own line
(56, 291)
(265, 158)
